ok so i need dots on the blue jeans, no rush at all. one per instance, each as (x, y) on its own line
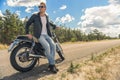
(49, 46)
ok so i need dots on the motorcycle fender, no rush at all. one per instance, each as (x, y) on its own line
(13, 45)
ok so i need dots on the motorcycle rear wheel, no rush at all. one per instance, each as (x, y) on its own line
(23, 57)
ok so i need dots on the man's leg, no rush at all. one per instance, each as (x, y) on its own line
(52, 52)
(52, 46)
(46, 46)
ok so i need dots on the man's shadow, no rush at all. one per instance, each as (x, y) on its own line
(36, 73)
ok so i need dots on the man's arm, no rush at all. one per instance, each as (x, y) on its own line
(29, 22)
(53, 25)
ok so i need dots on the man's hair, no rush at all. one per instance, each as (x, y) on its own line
(43, 3)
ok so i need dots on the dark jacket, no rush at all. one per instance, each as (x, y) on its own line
(36, 20)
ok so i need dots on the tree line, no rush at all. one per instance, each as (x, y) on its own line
(67, 34)
(11, 26)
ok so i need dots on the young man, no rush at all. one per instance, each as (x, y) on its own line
(41, 31)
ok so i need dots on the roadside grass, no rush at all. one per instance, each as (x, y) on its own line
(63, 76)
(73, 68)
(103, 66)
(3, 46)
(98, 67)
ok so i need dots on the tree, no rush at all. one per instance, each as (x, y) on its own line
(11, 27)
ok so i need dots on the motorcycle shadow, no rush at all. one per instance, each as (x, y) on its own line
(36, 73)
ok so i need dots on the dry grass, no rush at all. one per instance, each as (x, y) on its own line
(80, 42)
(3, 46)
(105, 66)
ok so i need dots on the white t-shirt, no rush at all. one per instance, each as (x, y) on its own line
(44, 22)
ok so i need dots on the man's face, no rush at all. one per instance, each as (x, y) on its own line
(42, 8)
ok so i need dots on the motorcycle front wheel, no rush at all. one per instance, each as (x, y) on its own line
(20, 59)
(61, 55)
(60, 51)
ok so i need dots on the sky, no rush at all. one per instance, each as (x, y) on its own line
(85, 15)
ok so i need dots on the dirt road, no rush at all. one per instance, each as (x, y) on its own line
(72, 52)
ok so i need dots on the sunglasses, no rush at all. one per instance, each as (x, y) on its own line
(41, 6)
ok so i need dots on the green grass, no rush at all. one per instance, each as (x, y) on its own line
(63, 75)
(73, 68)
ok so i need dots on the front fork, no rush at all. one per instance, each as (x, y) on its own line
(58, 48)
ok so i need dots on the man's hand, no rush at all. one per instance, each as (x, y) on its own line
(29, 36)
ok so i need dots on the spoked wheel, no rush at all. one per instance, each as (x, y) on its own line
(20, 59)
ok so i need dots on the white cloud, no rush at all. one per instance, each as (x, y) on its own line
(25, 3)
(28, 9)
(79, 23)
(113, 31)
(63, 7)
(1, 15)
(18, 13)
(29, 4)
(35, 12)
(22, 19)
(103, 18)
(109, 31)
(114, 2)
(65, 19)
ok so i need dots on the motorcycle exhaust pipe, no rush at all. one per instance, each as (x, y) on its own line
(36, 56)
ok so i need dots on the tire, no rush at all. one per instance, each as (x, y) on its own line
(61, 54)
(60, 51)
(14, 63)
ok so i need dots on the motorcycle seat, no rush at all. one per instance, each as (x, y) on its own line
(25, 37)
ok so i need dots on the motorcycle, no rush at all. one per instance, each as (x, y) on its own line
(26, 52)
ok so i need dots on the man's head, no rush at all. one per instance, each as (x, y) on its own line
(42, 7)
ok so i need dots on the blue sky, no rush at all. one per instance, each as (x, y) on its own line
(81, 14)
(73, 8)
